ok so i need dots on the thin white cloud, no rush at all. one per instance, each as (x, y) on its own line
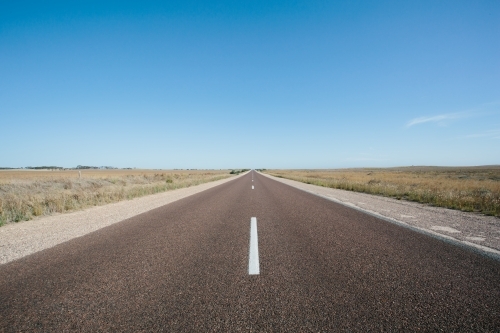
(490, 134)
(436, 119)
(484, 109)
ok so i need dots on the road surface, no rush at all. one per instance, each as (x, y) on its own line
(187, 267)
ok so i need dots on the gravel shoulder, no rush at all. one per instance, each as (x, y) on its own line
(477, 231)
(21, 239)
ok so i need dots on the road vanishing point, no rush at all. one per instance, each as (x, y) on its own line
(252, 255)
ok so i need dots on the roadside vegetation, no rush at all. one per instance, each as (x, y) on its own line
(25, 194)
(470, 189)
(237, 172)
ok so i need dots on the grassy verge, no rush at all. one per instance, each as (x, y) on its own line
(471, 189)
(27, 194)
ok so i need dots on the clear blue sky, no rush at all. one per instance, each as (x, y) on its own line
(257, 84)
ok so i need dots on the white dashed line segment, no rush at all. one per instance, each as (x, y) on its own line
(253, 258)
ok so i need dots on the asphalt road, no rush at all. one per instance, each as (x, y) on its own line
(184, 267)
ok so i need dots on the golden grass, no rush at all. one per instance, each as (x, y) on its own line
(465, 188)
(25, 194)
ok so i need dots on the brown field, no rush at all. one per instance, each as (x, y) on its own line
(25, 194)
(471, 189)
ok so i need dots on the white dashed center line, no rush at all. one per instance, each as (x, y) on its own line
(253, 258)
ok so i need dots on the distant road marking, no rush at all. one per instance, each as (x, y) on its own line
(253, 258)
(252, 187)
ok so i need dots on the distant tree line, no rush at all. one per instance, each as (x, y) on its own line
(53, 167)
(80, 167)
(237, 172)
(44, 167)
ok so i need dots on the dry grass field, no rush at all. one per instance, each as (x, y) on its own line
(471, 189)
(25, 194)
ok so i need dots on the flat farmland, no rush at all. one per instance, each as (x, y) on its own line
(470, 189)
(25, 194)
